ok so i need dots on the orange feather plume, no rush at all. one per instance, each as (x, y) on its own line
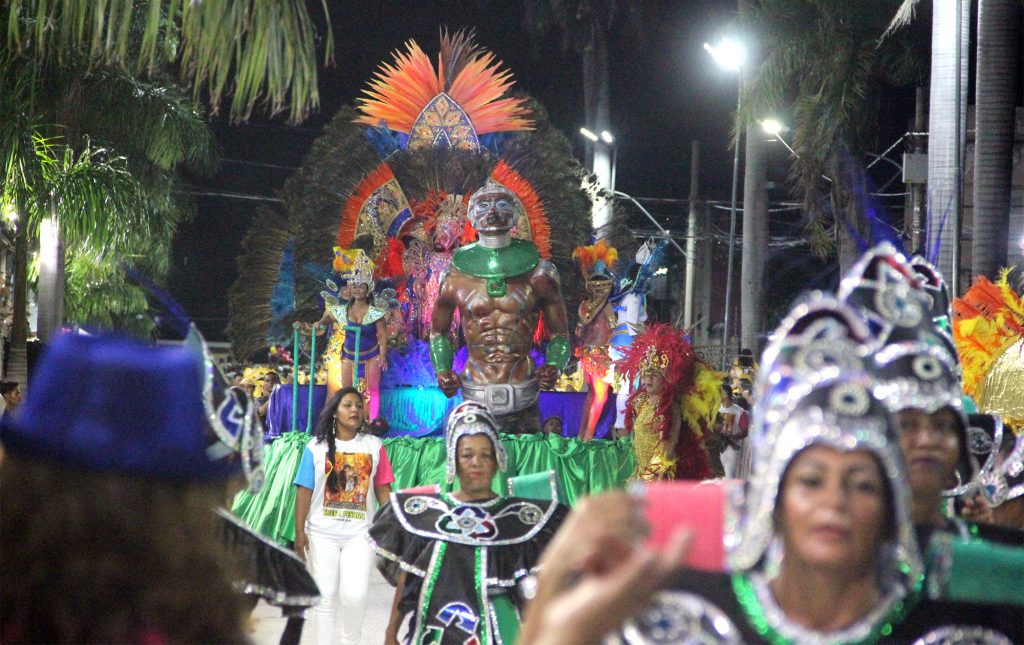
(986, 321)
(536, 214)
(472, 78)
(588, 256)
(379, 176)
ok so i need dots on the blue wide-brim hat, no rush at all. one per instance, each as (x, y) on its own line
(107, 403)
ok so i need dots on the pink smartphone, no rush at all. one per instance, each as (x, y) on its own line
(699, 506)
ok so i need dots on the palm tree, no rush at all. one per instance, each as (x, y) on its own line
(66, 146)
(824, 68)
(257, 52)
(947, 125)
(755, 223)
(995, 103)
(585, 27)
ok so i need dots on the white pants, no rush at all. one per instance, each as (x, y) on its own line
(341, 568)
(731, 462)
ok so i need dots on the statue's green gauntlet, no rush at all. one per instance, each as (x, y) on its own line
(558, 352)
(442, 354)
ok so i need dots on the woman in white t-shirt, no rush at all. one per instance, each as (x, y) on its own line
(344, 476)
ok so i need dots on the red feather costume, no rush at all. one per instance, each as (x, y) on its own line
(692, 393)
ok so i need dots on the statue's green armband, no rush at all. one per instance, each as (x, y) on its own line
(442, 354)
(558, 352)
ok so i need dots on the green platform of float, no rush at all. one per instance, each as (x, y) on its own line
(582, 468)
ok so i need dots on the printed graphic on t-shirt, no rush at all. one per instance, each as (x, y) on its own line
(354, 470)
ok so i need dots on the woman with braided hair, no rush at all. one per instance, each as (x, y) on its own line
(343, 478)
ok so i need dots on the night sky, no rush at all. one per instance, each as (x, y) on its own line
(665, 92)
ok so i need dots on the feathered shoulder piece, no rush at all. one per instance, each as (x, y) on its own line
(450, 106)
(596, 259)
(987, 321)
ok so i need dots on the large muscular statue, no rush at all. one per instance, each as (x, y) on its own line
(499, 285)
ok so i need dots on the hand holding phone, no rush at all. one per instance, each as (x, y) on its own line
(700, 507)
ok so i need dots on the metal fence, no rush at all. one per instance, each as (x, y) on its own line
(718, 356)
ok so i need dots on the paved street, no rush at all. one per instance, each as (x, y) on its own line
(268, 624)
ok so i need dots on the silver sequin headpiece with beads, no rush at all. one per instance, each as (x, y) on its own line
(844, 415)
(469, 418)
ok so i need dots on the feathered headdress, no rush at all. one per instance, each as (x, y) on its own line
(450, 106)
(344, 260)
(425, 135)
(690, 383)
(596, 259)
(988, 327)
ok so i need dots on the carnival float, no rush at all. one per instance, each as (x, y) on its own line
(424, 251)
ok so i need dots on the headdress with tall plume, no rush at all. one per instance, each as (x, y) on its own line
(689, 383)
(451, 105)
(598, 259)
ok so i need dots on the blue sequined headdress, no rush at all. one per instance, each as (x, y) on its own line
(112, 404)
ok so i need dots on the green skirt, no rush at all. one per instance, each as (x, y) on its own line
(272, 510)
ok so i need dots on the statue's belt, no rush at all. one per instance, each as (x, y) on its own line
(503, 398)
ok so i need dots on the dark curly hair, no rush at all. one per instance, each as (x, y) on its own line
(93, 557)
(324, 430)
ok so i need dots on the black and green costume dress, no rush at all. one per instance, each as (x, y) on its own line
(463, 561)
(700, 607)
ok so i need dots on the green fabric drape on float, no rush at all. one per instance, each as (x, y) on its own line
(272, 510)
(582, 468)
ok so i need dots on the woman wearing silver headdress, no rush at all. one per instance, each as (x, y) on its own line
(822, 548)
(824, 553)
(917, 377)
(457, 558)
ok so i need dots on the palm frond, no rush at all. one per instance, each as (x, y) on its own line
(258, 52)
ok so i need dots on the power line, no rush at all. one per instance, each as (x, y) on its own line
(228, 195)
(261, 164)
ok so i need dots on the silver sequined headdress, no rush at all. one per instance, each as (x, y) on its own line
(841, 414)
(1001, 477)
(819, 338)
(924, 377)
(469, 418)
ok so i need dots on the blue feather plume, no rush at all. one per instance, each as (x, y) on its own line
(176, 316)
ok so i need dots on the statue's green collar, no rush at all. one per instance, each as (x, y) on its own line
(494, 265)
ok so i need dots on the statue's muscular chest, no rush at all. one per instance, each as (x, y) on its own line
(520, 299)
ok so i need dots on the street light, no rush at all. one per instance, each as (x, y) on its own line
(772, 127)
(730, 54)
(775, 129)
(608, 139)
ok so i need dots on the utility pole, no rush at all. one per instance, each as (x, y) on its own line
(691, 234)
(755, 218)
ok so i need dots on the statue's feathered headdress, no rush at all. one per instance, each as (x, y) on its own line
(451, 105)
(597, 259)
(392, 174)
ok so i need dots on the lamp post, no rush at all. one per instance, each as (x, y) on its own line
(730, 54)
(605, 174)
